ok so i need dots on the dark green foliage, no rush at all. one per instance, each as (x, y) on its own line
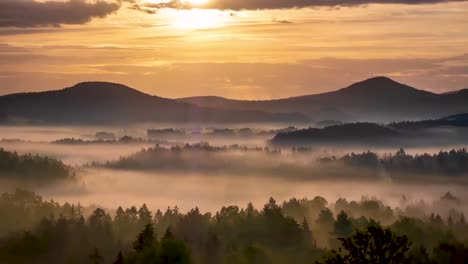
(147, 250)
(33, 168)
(420, 255)
(295, 232)
(22, 210)
(145, 239)
(174, 251)
(375, 245)
(450, 253)
(452, 163)
(343, 225)
(350, 132)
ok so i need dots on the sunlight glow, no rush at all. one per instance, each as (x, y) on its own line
(199, 19)
(196, 2)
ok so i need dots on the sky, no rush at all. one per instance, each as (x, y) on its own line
(244, 49)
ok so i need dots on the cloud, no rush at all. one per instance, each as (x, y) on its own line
(30, 13)
(247, 80)
(283, 4)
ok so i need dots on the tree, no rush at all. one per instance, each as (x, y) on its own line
(306, 233)
(325, 219)
(375, 245)
(95, 256)
(450, 253)
(145, 239)
(343, 226)
(256, 255)
(144, 215)
(174, 251)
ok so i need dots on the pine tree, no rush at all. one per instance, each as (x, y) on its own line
(145, 239)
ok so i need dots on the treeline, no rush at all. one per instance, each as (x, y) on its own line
(356, 133)
(122, 140)
(408, 133)
(214, 132)
(296, 231)
(39, 169)
(299, 163)
(459, 120)
(197, 157)
(453, 162)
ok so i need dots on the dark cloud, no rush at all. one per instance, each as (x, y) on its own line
(30, 13)
(283, 4)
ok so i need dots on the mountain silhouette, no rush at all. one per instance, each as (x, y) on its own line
(378, 99)
(382, 86)
(111, 103)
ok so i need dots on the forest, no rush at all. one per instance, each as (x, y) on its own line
(36, 168)
(295, 231)
(450, 163)
(131, 199)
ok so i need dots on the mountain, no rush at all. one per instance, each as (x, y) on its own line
(378, 99)
(110, 103)
(458, 92)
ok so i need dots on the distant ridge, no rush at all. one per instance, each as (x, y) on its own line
(379, 86)
(111, 103)
(459, 92)
(379, 99)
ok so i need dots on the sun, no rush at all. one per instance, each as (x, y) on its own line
(198, 19)
(195, 2)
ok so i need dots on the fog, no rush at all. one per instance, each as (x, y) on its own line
(211, 180)
(111, 188)
(90, 191)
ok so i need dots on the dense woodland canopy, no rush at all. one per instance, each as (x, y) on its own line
(203, 157)
(413, 133)
(295, 231)
(28, 167)
(453, 162)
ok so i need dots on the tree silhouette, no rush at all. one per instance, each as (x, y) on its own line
(145, 239)
(174, 251)
(375, 245)
(343, 226)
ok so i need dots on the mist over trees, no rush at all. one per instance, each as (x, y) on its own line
(295, 163)
(35, 168)
(295, 231)
(449, 163)
(409, 133)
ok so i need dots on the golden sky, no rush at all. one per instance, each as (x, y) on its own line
(247, 49)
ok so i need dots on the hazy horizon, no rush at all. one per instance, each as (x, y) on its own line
(233, 131)
(276, 51)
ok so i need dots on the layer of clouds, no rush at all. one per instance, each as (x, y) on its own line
(241, 80)
(30, 13)
(281, 4)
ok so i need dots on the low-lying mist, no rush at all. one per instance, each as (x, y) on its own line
(115, 173)
(110, 188)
